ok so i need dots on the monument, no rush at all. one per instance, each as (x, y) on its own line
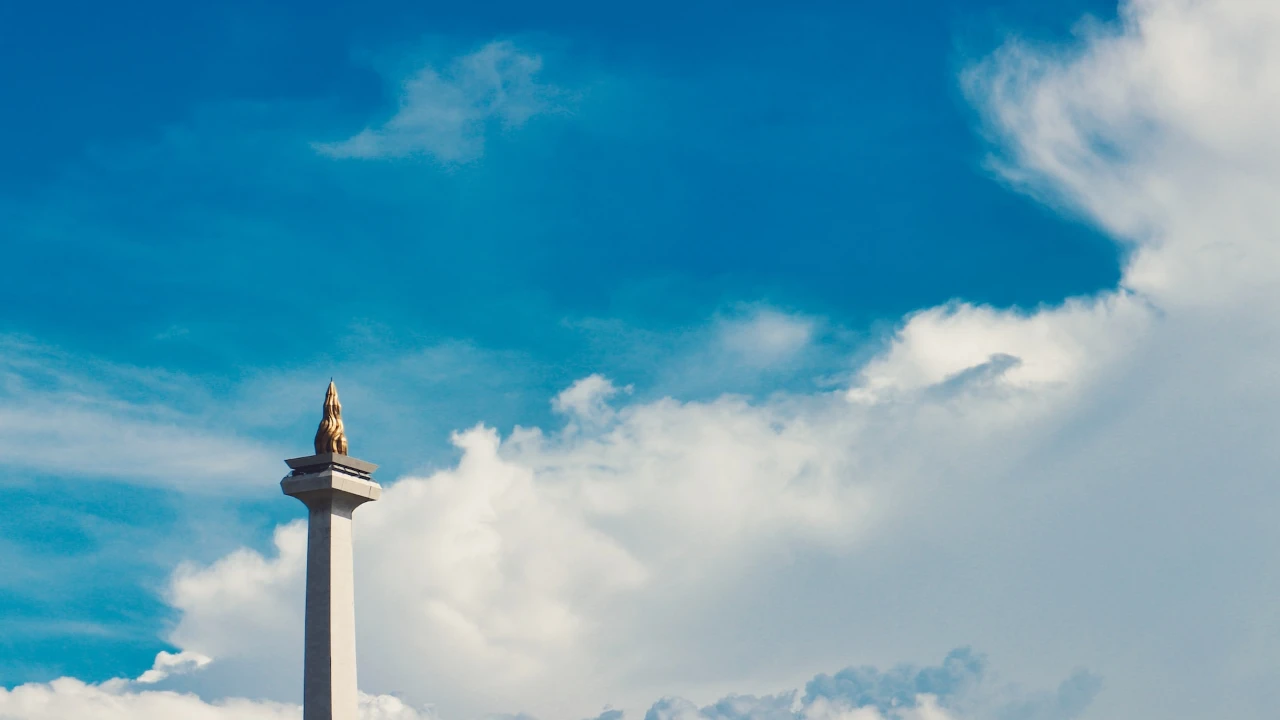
(332, 485)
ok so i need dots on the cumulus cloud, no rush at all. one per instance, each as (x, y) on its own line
(584, 553)
(66, 698)
(587, 399)
(168, 664)
(446, 114)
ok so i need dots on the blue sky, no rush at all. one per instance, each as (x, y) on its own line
(166, 175)
(197, 238)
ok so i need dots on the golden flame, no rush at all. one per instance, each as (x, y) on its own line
(331, 437)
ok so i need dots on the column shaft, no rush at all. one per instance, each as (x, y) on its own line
(329, 672)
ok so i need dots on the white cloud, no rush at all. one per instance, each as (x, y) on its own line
(239, 580)
(587, 399)
(1160, 130)
(446, 115)
(168, 664)
(69, 699)
(1048, 348)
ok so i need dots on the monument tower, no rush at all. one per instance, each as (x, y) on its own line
(332, 485)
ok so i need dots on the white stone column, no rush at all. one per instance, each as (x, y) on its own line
(332, 486)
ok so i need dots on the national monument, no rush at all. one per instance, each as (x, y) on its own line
(332, 485)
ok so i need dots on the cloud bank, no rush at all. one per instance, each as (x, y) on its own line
(961, 687)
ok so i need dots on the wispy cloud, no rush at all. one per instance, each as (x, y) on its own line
(71, 416)
(446, 113)
(765, 337)
(748, 348)
(78, 416)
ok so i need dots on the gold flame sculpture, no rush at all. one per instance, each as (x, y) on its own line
(331, 437)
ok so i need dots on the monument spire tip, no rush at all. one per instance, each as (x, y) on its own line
(331, 437)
